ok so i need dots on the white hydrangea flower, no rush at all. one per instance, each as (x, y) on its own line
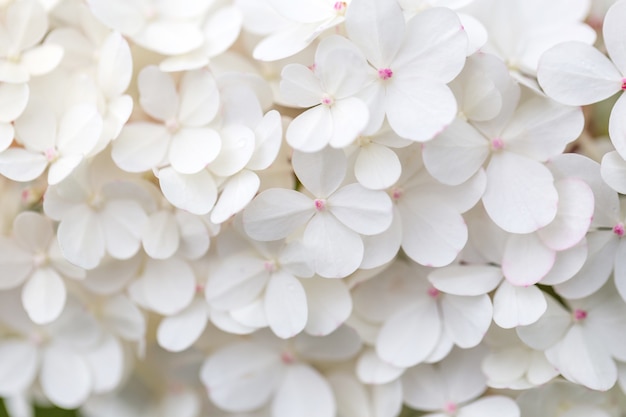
(33, 257)
(335, 219)
(585, 342)
(97, 216)
(411, 64)
(71, 358)
(336, 116)
(243, 376)
(297, 23)
(451, 387)
(418, 323)
(24, 24)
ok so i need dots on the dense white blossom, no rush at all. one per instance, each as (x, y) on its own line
(313, 208)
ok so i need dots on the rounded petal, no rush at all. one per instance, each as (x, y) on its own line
(106, 363)
(236, 194)
(13, 100)
(468, 280)
(65, 377)
(199, 98)
(81, 238)
(613, 35)
(456, 154)
(19, 164)
(195, 193)
(169, 286)
(285, 305)
(574, 215)
(433, 233)
(276, 213)
(300, 86)
(178, 332)
(336, 250)
(419, 109)
(160, 237)
(237, 148)
(192, 149)
(466, 319)
(19, 362)
(312, 130)
(170, 37)
(526, 259)
(122, 222)
(377, 167)
(365, 211)
(378, 28)
(577, 74)
(372, 370)
(43, 296)
(329, 305)
(140, 146)
(410, 335)
(520, 195)
(491, 406)
(303, 392)
(157, 94)
(517, 306)
(617, 127)
(241, 377)
(320, 172)
(115, 65)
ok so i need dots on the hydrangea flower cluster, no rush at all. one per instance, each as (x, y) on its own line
(313, 208)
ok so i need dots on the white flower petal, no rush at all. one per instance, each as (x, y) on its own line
(160, 236)
(241, 377)
(140, 146)
(169, 286)
(192, 149)
(199, 98)
(13, 100)
(419, 109)
(237, 148)
(22, 165)
(336, 250)
(575, 73)
(617, 127)
(520, 195)
(285, 305)
(321, 172)
(377, 167)
(410, 335)
(195, 193)
(18, 366)
(157, 94)
(106, 364)
(303, 392)
(468, 280)
(526, 259)
(466, 319)
(81, 238)
(43, 296)
(329, 305)
(613, 35)
(378, 28)
(517, 306)
(365, 211)
(491, 406)
(372, 370)
(236, 194)
(42, 59)
(115, 65)
(178, 332)
(276, 213)
(65, 377)
(311, 130)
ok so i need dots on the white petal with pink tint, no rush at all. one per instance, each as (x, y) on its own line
(526, 259)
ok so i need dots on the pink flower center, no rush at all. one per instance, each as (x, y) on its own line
(433, 292)
(450, 408)
(340, 6)
(623, 83)
(396, 193)
(580, 314)
(172, 125)
(618, 229)
(287, 358)
(320, 204)
(385, 73)
(270, 266)
(199, 288)
(51, 154)
(327, 100)
(497, 144)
